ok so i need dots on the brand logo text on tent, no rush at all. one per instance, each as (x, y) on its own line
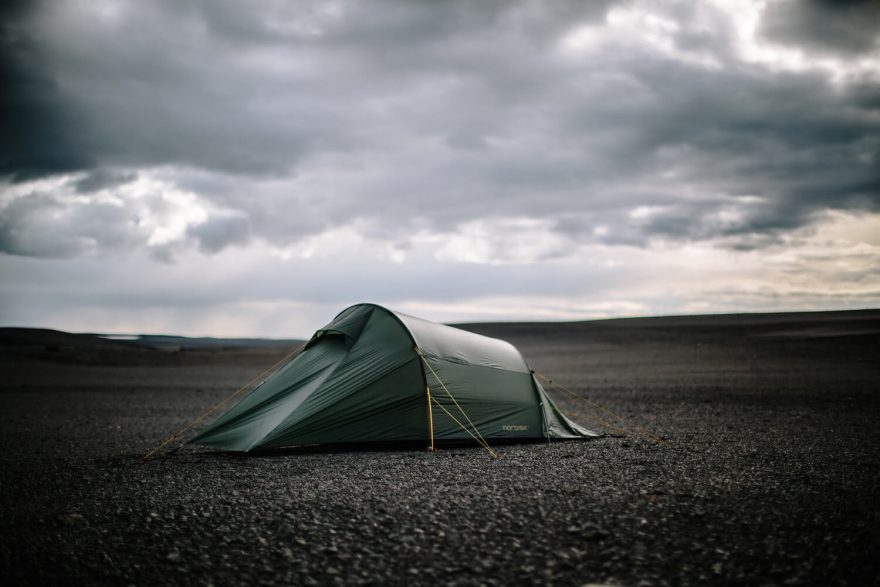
(515, 427)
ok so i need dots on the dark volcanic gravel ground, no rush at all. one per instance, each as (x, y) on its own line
(768, 474)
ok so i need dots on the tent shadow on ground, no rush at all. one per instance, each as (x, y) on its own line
(458, 446)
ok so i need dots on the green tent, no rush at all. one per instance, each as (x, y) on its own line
(373, 375)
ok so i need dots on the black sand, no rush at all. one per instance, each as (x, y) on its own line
(768, 474)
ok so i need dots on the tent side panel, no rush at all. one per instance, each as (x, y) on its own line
(500, 403)
(461, 346)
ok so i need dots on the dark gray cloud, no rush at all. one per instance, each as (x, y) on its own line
(42, 225)
(837, 26)
(220, 231)
(101, 179)
(281, 122)
(39, 132)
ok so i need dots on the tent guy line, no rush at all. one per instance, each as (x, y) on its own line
(223, 402)
(622, 426)
(479, 438)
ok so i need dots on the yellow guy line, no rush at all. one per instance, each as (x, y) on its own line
(621, 426)
(446, 389)
(430, 417)
(223, 402)
(481, 440)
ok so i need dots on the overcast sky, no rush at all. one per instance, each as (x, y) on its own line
(251, 168)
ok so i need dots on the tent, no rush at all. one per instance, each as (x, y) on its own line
(377, 376)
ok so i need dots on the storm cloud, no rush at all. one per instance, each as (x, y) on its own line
(836, 26)
(194, 128)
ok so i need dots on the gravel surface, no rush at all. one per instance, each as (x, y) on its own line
(767, 473)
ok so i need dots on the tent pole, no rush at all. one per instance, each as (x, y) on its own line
(430, 418)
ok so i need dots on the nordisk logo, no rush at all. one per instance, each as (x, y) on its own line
(515, 427)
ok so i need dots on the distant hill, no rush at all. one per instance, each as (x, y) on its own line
(777, 324)
(798, 324)
(171, 342)
(25, 337)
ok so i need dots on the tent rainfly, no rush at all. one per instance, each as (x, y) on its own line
(373, 375)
